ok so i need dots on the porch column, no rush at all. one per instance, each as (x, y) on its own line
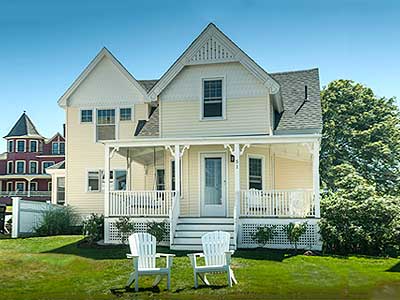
(29, 187)
(177, 171)
(236, 154)
(106, 181)
(316, 187)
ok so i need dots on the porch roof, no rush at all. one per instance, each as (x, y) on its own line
(217, 140)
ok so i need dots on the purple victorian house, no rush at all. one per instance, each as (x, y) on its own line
(23, 166)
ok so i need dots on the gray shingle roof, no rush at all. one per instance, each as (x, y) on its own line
(23, 127)
(151, 127)
(147, 84)
(297, 117)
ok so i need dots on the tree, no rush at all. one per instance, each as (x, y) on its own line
(363, 131)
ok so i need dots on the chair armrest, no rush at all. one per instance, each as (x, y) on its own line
(165, 255)
(228, 255)
(196, 255)
(128, 255)
(193, 257)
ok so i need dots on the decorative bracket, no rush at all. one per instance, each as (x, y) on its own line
(115, 149)
(181, 151)
(232, 151)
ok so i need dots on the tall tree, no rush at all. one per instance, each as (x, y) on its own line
(361, 130)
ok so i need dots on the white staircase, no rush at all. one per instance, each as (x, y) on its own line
(189, 231)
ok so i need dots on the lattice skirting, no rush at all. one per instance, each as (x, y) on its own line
(310, 240)
(112, 235)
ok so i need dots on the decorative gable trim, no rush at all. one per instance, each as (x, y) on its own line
(104, 52)
(213, 46)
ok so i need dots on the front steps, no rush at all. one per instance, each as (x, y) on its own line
(189, 231)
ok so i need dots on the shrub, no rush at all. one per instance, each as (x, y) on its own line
(294, 231)
(57, 221)
(93, 228)
(263, 235)
(125, 228)
(158, 229)
(368, 227)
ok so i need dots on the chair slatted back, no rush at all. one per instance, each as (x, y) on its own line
(215, 244)
(144, 245)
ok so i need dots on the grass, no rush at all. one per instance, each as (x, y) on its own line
(56, 268)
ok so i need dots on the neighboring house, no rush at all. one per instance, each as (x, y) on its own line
(216, 143)
(23, 166)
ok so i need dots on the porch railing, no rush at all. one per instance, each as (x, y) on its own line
(140, 203)
(277, 203)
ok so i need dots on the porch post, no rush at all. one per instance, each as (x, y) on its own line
(106, 181)
(316, 187)
(29, 187)
(236, 154)
(177, 171)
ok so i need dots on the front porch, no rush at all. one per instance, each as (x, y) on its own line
(234, 185)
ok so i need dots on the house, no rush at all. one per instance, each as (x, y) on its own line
(217, 143)
(23, 166)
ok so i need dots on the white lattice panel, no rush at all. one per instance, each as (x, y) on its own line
(112, 235)
(309, 240)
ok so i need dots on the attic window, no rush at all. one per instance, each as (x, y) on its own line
(305, 92)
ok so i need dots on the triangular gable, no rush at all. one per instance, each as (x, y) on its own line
(63, 101)
(213, 46)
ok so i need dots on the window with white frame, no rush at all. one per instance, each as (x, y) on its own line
(10, 167)
(86, 116)
(105, 126)
(45, 165)
(33, 167)
(10, 146)
(119, 180)
(160, 179)
(33, 186)
(20, 146)
(20, 186)
(212, 105)
(60, 190)
(20, 167)
(58, 148)
(93, 181)
(125, 114)
(33, 146)
(255, 165)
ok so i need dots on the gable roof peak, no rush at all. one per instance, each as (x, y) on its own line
(24, 127)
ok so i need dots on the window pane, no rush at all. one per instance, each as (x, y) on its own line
(125, 114)
(120, 180)
(60, 190)
(105, 116)
(93, 181)
(21, 146)
(33, 168)
(33, 146)
(212, 98)
(10, 146)
(86, 116)
(62, 148)
(55, 148)
(105, 133)
(20, 167)
(46, 165)
(255, 173)
(20, 186)
(105, 124)
(33, 186)
(160, 180)
(10, 167)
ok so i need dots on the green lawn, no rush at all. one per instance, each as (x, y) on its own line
(56, 268)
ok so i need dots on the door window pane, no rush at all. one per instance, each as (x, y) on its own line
(213, 181)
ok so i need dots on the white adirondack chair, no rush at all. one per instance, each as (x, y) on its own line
(217, 257)
(143, 253)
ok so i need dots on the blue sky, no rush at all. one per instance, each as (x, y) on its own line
(46, 44)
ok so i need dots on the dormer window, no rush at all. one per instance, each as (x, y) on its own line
(213, 99)
(58, 148)
(10, 146)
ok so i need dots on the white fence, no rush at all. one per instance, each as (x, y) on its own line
(277, 203)
(26, 215)
(140, 203)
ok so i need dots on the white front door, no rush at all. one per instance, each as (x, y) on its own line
(213, 194)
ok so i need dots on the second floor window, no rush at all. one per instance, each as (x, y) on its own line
(86, 116)
(20, 146)
(105, 126)
(10, 146)
(58, 148)
(212, 99)
(125, 114)
(33, 146)
(20, 167)
(33, 167)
